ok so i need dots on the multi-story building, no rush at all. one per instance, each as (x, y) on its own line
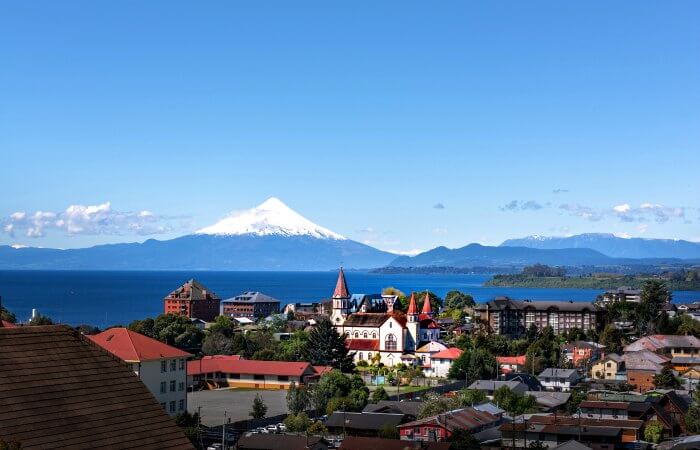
(562, 380)
(580, 352)
(611, 367)
(513, 317)
(624, 293)
(193, 300)
(669, 345)
(253, 305)
(162, 368)
(377, 329)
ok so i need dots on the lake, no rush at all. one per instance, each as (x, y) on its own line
(104, 298)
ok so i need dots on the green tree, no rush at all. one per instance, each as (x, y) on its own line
(470, 397)
(294, 349)
(297, 398)
(462, 439)
(577, 396)
(458, 300)
(379, 394)
(7, 316)
(217, 343)
(388, 431)
(692, 418)
(512, 402)
(326, 347)
(317, 429)
(666, 379)
(40, 320)
(653, 431)
(223, 324)
(654, 296)
(297, 423)
(172, 329)
(473, 365)
(190, 426)
(259, 410)
(434, 404)
(612, 338)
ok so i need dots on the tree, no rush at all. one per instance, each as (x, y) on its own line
(317, 428)
(515, 404)
(692, 418)
(326, 347)
(462, 439)
(223, 324)
(7, 316)
(190, 426)
(470, 397)
(473, 365)
(654, 296)
(611, 337)
(40, 320)
(297, 423)
(653, 431)
(217, 343)
(458, 300)
(389, 431)
(577, 396)
(379, 394)
(293, 349)
(297, 398)
(666, 379)
(434, 404)
(259, 410)
(172, 329)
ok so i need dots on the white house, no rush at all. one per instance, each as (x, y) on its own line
(441, 362)
(553, 379)
(424, 354)
(161, 367)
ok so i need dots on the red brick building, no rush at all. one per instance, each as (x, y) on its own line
(193, 299)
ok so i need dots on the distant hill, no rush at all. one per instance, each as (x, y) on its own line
(613, 246)
(480, 255)
(268, 237)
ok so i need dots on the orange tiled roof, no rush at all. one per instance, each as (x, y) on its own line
(449, 353)
(131, 346)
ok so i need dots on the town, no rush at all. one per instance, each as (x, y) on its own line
(388, 370)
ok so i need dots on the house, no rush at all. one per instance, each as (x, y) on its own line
(407, 408)
(609, 368)
(259, 441)
(582, 352)
(490, 386)
(233, 371)
(252, 305)
(362, 423)
(513, 318)
(373, 443)
(622, 294)
(60, 390)
(509, 364)
(425, 353)
(161, 367)
(668, 345)
(375, 328)
(193, 299)
(440, 427)
(553, 430)
(641, 367)
(548, 400)
(441, 362)
(682, 363)
(554, 379)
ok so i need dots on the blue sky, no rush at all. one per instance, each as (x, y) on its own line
(517, 117)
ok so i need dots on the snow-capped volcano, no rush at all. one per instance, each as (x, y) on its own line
(271, 218)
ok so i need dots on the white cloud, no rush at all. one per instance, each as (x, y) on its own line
(623, 235)
(87, 220)
(626, 213)
(622, 208)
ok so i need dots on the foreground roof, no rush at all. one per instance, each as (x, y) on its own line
(131, 346)
(371, 443)
(278, 441)
(58, 390)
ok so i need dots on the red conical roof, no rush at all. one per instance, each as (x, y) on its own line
(412, 308)
(427, 309)
(341, 286)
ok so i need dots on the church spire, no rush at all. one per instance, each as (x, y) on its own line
(427, 309)
(341, 286)
(412, 308)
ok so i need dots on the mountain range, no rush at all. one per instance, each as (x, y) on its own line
(272, 236)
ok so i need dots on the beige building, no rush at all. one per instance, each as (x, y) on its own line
(608, 367)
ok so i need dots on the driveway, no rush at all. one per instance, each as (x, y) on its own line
(237, 403)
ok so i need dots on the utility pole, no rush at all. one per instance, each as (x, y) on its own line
(223, 433)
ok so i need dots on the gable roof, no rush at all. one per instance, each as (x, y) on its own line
(366, 319)
(362, 344)
(449, 353)
(341, 286)
(460, 419)
(251, 297)
(658, 342)
(572, 445)
(58, 390)
(131, 346)
(432, 346)
(258, 441)
(397, 407)
(363, 420)
(518, 360)
(553, 372)
(372, 443)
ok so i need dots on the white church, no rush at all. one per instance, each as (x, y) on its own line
(373, 328)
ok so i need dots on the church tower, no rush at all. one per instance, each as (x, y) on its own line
(427, 311)
(341, 300)
(413, 325)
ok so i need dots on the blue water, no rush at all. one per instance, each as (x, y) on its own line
(104, 298)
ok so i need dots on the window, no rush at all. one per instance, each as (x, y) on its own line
(365, 335)
(258, 377)
(181, 405)
(182, 364)
(163, 366)
(357, 335)
(374, 335)
(360, 356)
(163, 387)
(282, 378)
(390, 342)
(173, 385)
(173, 365)
(172, 406)
(234, 376)
(181, 386)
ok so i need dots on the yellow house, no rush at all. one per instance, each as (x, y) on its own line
(607, 368)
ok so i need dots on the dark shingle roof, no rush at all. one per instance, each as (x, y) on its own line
(279, 441)
(363, 420)
(396, 407)
(58, 390)
(370, 443)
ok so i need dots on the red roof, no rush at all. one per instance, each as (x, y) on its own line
(362, 344)
(427, 310)
(320, 370)
(448, 353)
(412, 308)
(341, 286)
(517, 360)
(227, 364)
(131, 346)
(6, 324)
